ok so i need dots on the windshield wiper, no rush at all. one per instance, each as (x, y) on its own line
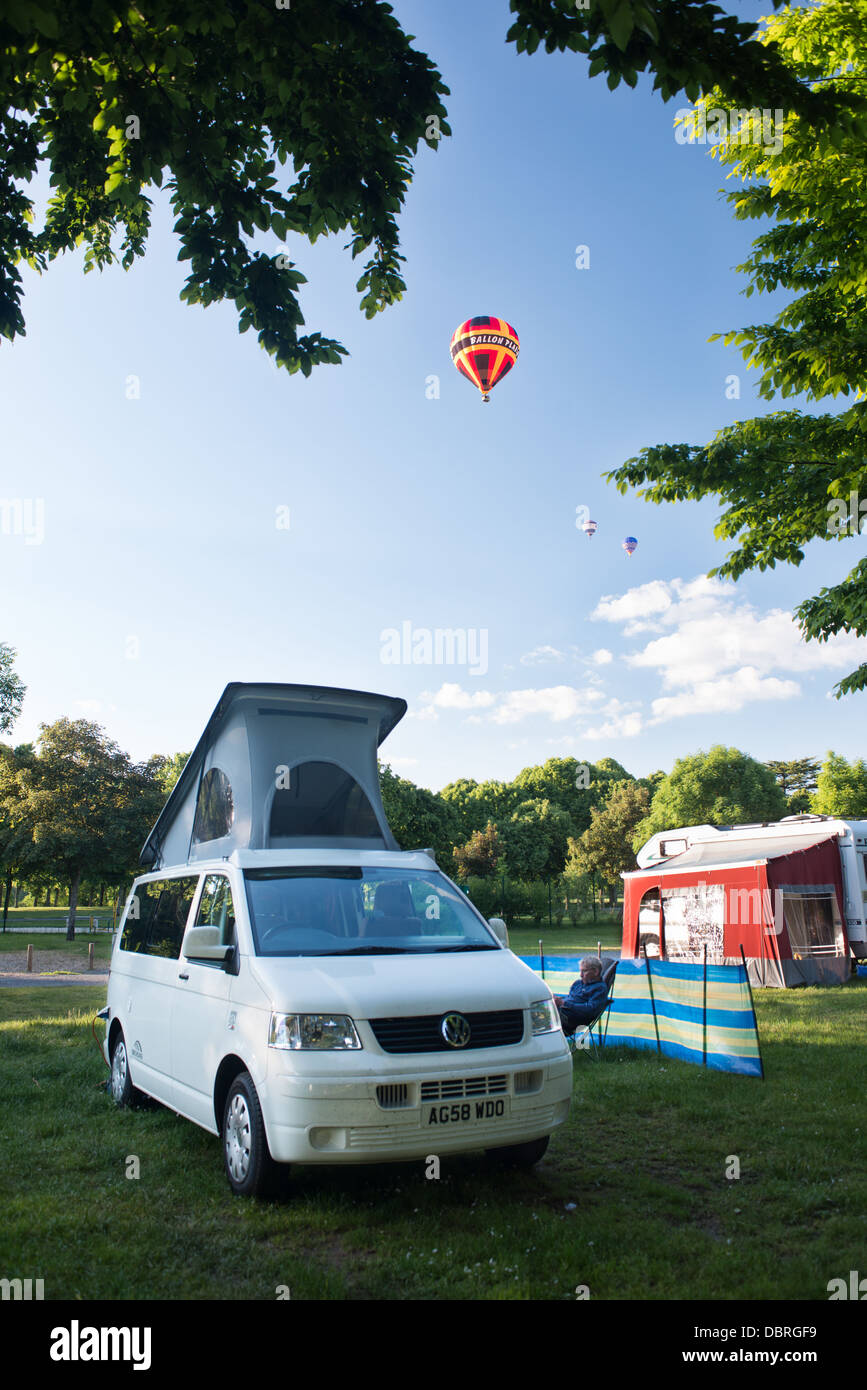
(372, 951)
(441, 951)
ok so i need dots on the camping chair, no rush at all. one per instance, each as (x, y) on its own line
(587, 1037)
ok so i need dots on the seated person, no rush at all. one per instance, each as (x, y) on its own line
(586, 999)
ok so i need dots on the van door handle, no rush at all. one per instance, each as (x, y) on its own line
(183, 976)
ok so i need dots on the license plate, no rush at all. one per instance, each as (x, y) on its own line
(464, 1112)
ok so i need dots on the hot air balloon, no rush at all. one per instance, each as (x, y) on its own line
(630, 544)
(589, 528)
(483, 350)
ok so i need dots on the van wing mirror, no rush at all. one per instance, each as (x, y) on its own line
(500, 930)
(203, 943)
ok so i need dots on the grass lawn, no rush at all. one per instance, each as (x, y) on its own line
(567, 940)
(632, 1199)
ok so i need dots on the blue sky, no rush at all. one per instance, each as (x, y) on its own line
(162, 574)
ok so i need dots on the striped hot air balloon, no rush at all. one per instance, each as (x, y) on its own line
(630, 544)
(589, 528)
(483, 350)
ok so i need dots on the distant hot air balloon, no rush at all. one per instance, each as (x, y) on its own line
(589, 528)
(630, 544)
(483, 350)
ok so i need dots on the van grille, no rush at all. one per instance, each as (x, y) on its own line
(393, 1097)
(503, 1028)
(464, 1087)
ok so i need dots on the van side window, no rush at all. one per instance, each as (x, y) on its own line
(216, 908)
(157, 917)
(215, 808)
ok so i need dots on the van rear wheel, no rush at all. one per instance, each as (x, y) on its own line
(519, 1155)
(250, 1168)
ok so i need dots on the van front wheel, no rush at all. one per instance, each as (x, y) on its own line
(519, 1155)
(250, 1168)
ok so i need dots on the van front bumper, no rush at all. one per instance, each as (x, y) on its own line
(413, 1114)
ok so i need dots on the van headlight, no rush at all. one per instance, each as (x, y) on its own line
(318, 1032)
(544, 1017)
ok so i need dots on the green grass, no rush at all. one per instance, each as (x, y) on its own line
(643, 1159)
(567, 940)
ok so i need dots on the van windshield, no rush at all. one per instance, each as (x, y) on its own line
(326, 911)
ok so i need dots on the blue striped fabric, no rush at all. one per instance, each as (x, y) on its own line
(710, 1023)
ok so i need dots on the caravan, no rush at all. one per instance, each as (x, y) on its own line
(791, 894)
(288, 978)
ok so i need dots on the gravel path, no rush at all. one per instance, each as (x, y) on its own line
(17, 981)
(50, 968)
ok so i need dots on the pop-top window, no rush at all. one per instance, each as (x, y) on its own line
(214, 809)
(322, 800)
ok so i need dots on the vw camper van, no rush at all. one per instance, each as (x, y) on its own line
(289, 979)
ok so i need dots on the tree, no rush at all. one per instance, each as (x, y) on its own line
(689, 46)
(841, 788)
(604, 849)
(12, 689)
(722, 787)
(206, 100)
(16, 848)
(534, 839)
(166, 770)
(480, 855)
(418, 817)
(86, 807)
(797, 780)
(788, 478)
(476, 803)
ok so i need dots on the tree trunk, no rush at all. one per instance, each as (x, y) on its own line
(73, 901)
(56, 896)
(101, 894)
(6, 896)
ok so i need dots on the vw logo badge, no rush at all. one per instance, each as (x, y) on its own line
(455, 1030)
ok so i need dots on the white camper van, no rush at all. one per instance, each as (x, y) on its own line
(287, 978)
(742, 842)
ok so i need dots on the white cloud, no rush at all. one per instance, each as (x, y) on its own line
(719, 654)
(624, 721)
(602, 657)
(557, 702)
(725, 694)
(541, 656)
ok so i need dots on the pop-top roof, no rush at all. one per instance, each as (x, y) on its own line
(280, 766)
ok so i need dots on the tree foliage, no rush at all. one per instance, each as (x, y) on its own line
(721, 787)
(604, 849)
(81, 806)
(797, 781)
(419, 819)
(12, 689)
(783, 476)
(841, 789)
(207, 101)
(480, 855)
(689, 45)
